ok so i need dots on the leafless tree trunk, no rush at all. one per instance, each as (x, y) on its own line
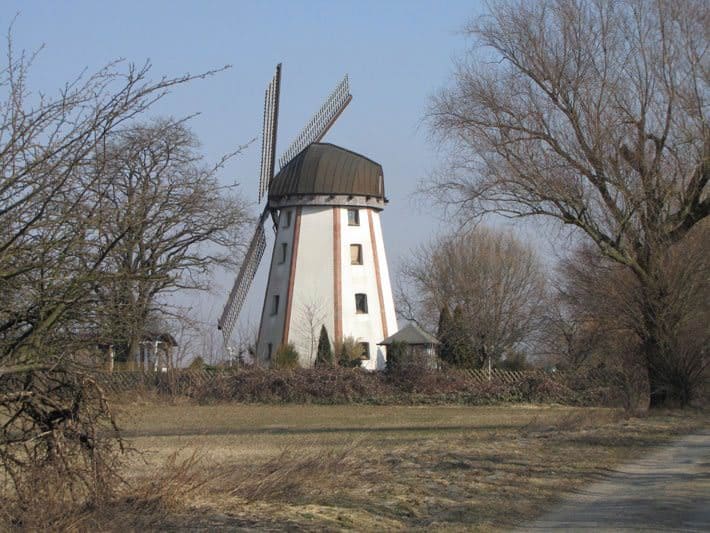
(594, 114)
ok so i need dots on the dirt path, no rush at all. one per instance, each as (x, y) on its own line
(668, 490)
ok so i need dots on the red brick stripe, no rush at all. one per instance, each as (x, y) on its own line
(292, 273)
(378, 277)
(337, 280)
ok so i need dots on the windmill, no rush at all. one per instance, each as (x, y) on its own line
(315, 203)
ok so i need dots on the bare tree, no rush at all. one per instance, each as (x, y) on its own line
(491, 277)
(594, 114)
(201, 339)
(310, 319)
(53, 258)
(569, 339)
(177, 222)
(607, 298)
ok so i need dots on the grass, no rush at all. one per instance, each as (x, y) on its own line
(377, 467)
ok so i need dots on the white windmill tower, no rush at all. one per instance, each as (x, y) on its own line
(328, 265)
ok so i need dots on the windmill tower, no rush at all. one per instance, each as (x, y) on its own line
(328, 265)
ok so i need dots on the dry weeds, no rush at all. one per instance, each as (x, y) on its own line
(375, 468)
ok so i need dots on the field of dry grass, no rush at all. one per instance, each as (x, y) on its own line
(372, 467)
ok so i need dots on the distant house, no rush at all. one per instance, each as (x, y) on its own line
(156, 352)
(417, 342)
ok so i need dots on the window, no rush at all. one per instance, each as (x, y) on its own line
(287, 219)
(365, 350)
(361, 304)
(356, 254)
(284, 250)
(269, 350)
(353, 217)
(275, 304)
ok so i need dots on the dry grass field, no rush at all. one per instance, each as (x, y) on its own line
(370, 467)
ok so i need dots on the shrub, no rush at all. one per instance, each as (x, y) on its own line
(198, 363)
(408, 384)
(349, 353)
(409, 369)
(286, 356)
(324, 355)
(397, 355)
(69, 457)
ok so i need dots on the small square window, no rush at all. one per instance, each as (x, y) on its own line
(365, 350)
(284, 251)
(356, 254)
(275, 304)
(287, 219)
(361, 304)
(353, 217)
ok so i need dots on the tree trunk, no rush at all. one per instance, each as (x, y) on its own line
(134, 352)
(657, 342)
(658, 387)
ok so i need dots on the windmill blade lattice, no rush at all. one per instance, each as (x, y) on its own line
(244, 279)
(268, 139)
(321, 122)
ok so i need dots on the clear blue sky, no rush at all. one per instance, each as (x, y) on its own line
(396, 53)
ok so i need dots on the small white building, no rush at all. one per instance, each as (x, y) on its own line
(329, 265)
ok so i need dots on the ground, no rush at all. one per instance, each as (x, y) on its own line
(667, 490)
(377, 467)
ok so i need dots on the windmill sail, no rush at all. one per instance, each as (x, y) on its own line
(313, 132)
(239, 291)
(257, 246)
(321, 122)
(268, 138)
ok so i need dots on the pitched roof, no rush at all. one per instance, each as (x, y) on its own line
(323, 168)
(411, 334)
(152, 336)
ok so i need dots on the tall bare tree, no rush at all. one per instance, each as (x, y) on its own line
(592, 113)
(488, 277)
(53, 259)
(178, 223)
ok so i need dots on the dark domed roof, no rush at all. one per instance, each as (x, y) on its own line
(323, 168)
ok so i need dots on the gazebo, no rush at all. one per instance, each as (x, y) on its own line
(156, 351)
(417, 341)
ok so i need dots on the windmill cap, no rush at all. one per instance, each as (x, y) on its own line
(327, 169)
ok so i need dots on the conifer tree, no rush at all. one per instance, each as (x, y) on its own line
(460, 341)
(444, 335)
(324, 355)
